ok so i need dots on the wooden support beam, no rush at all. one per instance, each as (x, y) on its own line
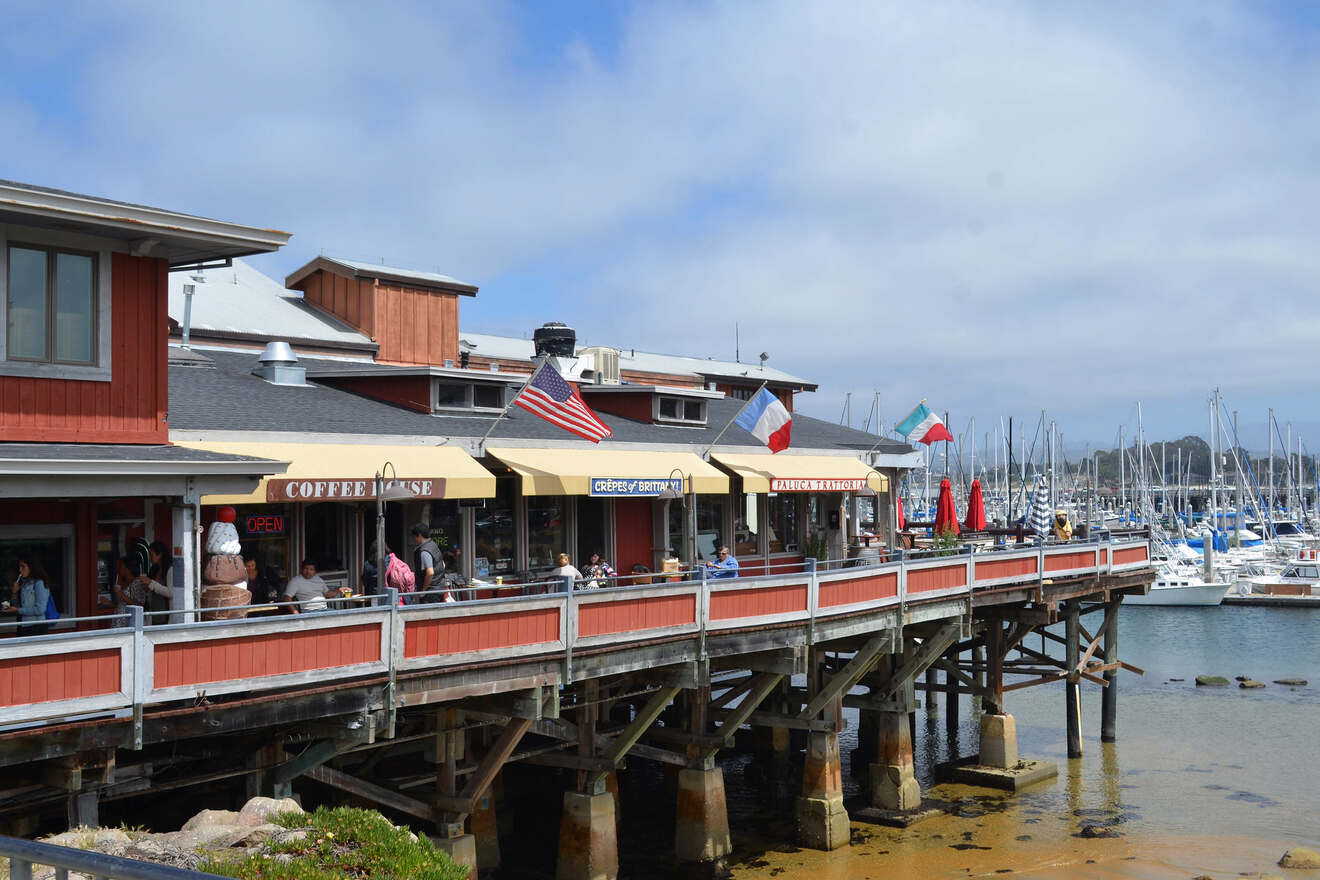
(618, 748)
(952, 669)
(572, 762)
(493, 760)
(679, 675)
(915, 663)
(773, 719)
(737, 690)
(655, 753)
(763, 684)
(372, 792)
(533, 703)
(860, 664)
(311, 757)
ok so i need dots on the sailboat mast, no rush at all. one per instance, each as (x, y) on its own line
(1269, 429)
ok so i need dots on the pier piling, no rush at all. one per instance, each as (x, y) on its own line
(1073, 684)
(1109, 695)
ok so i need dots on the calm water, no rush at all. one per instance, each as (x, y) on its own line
(1202, 781)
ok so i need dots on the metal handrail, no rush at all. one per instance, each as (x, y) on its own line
(23, 854)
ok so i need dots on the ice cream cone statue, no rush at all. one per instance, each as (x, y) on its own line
(224, 579)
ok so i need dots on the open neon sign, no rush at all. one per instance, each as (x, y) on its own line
(264, 524)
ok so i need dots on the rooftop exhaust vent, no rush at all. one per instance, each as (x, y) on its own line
(278, 365)
(554, 339)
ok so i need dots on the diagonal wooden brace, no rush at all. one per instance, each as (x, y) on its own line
(929, 651)
(861, 663)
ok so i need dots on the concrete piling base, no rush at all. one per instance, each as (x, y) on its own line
(588, 845)
(701, 827)
(822, 820)
(485, 829)
(998, 741)
(462, 849)
(894, 787)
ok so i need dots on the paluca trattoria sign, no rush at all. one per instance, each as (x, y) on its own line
(815, 484)
(632, 487)
(283, 491)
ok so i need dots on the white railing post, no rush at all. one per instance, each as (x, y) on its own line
(901, 555)
(570, 633)
(703, 609)
(813, 596)
(142, 671)
(971, 572)
(395, 623)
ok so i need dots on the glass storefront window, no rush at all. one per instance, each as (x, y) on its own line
(325, 536)
(264, 533)
(747, 526)
(545, 530)
(591, 529)
(493, 553)
(675, 545)
(710, 525)
(783, 524)
(446, 530)
(53, 546)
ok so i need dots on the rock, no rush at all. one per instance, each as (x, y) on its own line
(1242, 678)
(205, 818)
(78, 838)
(1211, 681)
(199, 838)
(111, 841)
(1098, 831)
(148, 850)
(287, 835)
(1300, 857)
(1252, 683)
(256, 835)
(259, 810)
(1291, 682)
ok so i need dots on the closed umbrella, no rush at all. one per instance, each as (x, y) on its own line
(946, 518)
(902, 521)
(975, 521)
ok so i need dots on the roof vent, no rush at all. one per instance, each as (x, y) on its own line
(605, 364)
(554, 339)
(279, 366)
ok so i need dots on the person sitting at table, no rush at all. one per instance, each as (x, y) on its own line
(306, 590)
(724, 565)
(31, 595)
(596, 567)
(567, 569)
(259, 583)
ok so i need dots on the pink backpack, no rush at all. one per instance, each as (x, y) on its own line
(398, 576)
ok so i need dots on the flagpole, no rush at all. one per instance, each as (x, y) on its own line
(746, 404)
(481, 447)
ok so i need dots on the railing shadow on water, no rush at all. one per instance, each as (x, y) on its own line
(24, 855)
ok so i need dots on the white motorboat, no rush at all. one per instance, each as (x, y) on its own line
(1300, 577)
(1176, 586)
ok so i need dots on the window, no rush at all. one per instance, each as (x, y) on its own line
(783, 524)
(710, 525)
(51, 305)
(54, 306)
(264, 533)
(746, 526)
(325, 537)
(449, 395)
(683, 411)
(54, 546)
(493, 553)
(741, 393)
(545, 530)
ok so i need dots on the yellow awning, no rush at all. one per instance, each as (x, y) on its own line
(803, 473)
(345, 471)
(570, 471)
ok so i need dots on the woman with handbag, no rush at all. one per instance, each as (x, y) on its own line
(31, 595)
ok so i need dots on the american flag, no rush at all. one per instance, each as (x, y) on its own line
(554, 400)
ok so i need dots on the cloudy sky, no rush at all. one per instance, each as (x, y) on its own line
(1001, 207)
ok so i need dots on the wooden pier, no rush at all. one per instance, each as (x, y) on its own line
(585, 681)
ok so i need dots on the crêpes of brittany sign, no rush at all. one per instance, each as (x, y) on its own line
(634, 487)
(817, 485)
(347, 489)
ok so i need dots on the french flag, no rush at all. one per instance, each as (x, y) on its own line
(923, 426)
(767, 420)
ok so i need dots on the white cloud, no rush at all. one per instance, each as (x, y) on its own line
(1002, 208)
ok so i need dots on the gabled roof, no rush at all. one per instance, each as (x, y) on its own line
(183, 239)
(407, 277)
(239, 302)
(513, 348)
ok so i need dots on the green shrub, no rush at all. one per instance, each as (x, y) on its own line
(343, 842)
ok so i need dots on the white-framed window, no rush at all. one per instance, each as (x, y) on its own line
(54, 305)
(680, 410)
(448, 395)
(56, 547)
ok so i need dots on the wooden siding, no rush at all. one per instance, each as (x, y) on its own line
(631, 406)
(631, 615)
(1131, 554)
(348, 299)
(942, 578)
(50, 677)
(131, 407)
(852, 592)
(410, 392)
(758, 602)
(1002, 568)
(480, 632)
(785, 395)
(199, 662)
(1066, 561)
(632, 528)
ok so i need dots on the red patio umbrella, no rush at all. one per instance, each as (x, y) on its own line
(902, 521)
(975, 521)
(946, 518)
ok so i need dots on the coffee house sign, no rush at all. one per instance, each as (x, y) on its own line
(280, 491)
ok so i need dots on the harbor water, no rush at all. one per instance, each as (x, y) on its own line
(1202, 781)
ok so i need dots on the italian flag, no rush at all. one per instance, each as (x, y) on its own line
(923, 426)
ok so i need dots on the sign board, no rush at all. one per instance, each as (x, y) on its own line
(263, 524)
(279, 491)
(815, 484)
(632, 487)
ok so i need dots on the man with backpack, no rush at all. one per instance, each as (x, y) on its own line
(427, 563)
(398, 576)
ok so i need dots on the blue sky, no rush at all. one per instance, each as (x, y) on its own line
(1001, 208)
